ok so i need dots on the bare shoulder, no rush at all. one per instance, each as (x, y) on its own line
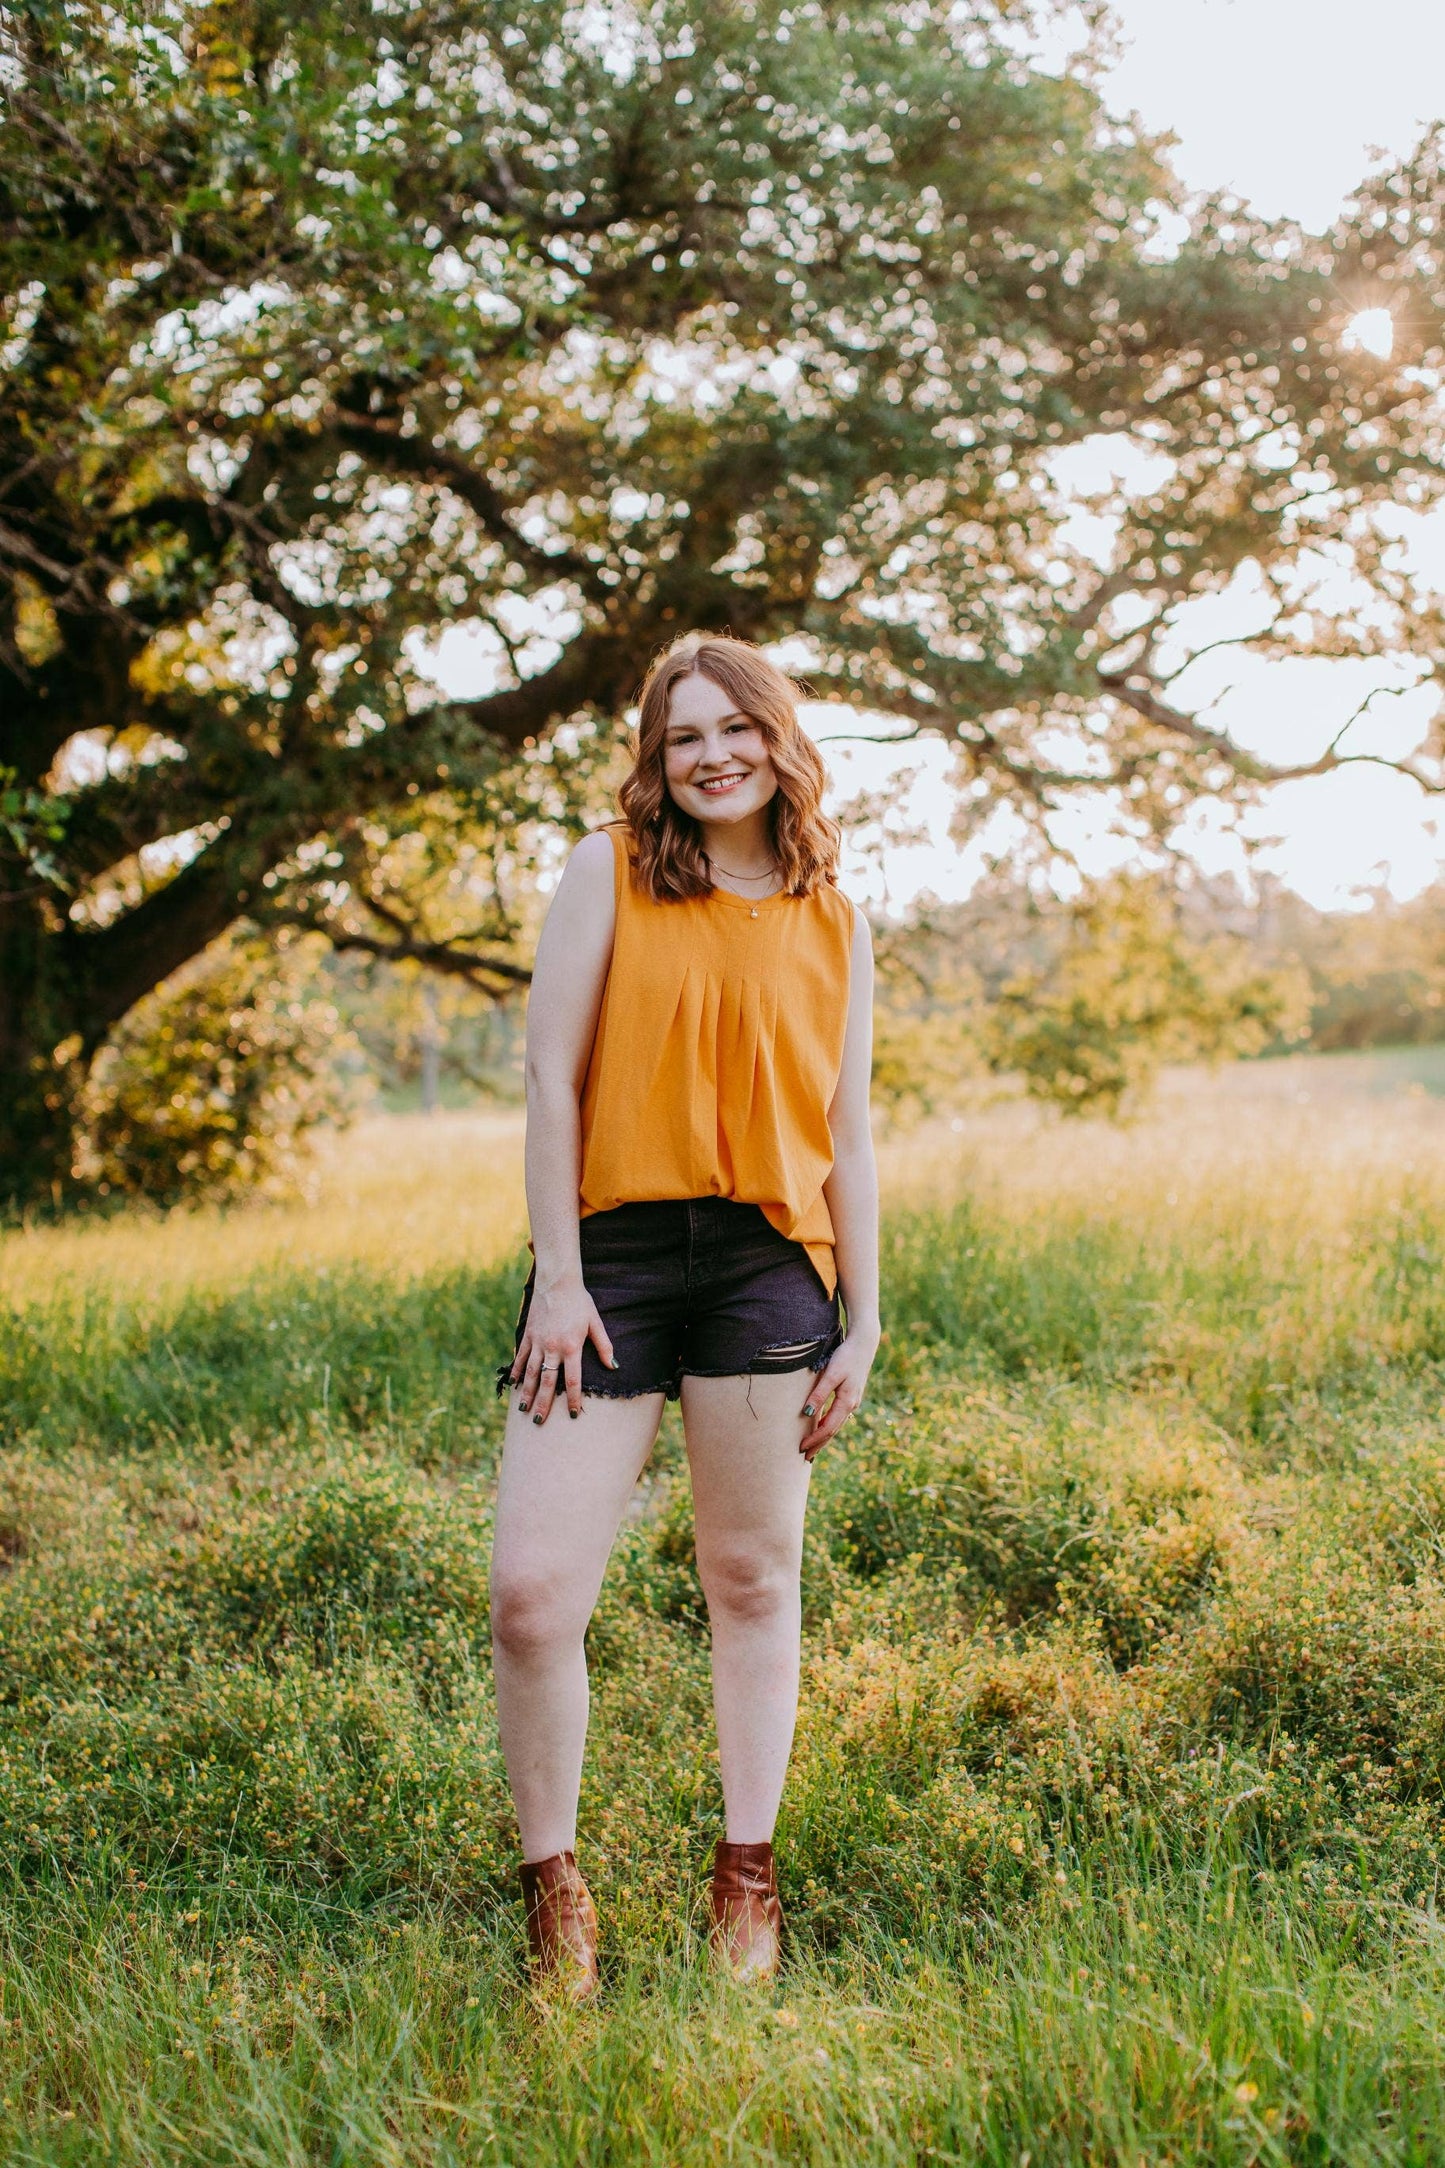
(584, 893)
(574, 954)
(579, 923)
(590, 862)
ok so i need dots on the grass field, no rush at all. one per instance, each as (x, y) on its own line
(1114, 1829)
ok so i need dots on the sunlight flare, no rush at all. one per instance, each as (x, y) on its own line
(1370, 331)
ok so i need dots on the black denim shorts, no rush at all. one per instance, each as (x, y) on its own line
(700, 1287)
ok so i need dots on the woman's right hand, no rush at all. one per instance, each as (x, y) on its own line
(560, 1322)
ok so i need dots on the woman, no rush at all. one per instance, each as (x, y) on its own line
(700, 1184)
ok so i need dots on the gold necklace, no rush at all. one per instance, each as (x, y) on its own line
(740, 876)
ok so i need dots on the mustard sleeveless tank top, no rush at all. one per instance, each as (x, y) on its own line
(717, 1052)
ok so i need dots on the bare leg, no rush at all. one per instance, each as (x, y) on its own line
(563, 1490)
(750, 1492)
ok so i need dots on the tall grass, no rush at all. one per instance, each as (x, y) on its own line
(1265, 1243)
(399, 1196)
(1115, 1821)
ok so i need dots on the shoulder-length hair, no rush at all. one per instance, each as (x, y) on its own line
(669, 860)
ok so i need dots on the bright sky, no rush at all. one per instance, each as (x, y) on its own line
(1282, 101)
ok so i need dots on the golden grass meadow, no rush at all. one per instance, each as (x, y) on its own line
(1114, 1828)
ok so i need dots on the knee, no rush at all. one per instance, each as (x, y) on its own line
(530, 1616)
(752, 1588)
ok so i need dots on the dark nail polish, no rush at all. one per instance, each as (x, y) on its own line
(574, 1413)
(536, 1418)
(809, 1408)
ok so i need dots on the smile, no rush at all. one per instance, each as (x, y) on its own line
(717, 784)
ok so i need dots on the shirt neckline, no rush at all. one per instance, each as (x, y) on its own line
(745, 903)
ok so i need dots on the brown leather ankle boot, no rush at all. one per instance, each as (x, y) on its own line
(747, 1918)
(561, 1927)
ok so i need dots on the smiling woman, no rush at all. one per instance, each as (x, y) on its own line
(727, 787)
(719, 768)
(702, 1193)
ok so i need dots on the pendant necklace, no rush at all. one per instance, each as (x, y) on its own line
(768, 876)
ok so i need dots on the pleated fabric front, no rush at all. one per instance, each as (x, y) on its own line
(717, 1053)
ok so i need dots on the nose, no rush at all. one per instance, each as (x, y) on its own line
(717, 757)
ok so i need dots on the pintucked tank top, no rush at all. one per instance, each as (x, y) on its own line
(718, 1048)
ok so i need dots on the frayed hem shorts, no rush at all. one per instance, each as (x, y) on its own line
(700, 1287)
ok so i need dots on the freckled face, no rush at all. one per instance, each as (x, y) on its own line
(715, 760)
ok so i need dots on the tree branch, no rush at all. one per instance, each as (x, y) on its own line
(439, 956)
(418, 456)
(599, 669)
(1141, 696)
(123, 961)
(1092, 608)
(86, 686)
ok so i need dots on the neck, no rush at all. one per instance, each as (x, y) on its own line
(741, 846)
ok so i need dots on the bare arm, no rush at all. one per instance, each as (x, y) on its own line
(573, 956)
(852, 1193)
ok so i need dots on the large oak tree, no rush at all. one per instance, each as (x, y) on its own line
(327, 326)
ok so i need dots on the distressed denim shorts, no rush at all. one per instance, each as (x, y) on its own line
(700, 1287)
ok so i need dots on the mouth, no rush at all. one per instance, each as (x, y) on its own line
(717, 786)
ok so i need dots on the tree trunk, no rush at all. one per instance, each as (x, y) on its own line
(431, 1050)
(38, 1015)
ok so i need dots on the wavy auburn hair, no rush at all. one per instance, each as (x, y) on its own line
(670, 861)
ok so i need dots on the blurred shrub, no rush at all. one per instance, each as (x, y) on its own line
(924, 1056)
(1132, 986)
(364, 1557)
(1376, 972)
(1082, 1000)
(1323, 1652)
(316, 1776)
(370, 1555)
(1112, 1528)
(929, 1012)
(212, 1084)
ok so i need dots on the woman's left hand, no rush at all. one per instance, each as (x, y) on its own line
(837, 1391)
